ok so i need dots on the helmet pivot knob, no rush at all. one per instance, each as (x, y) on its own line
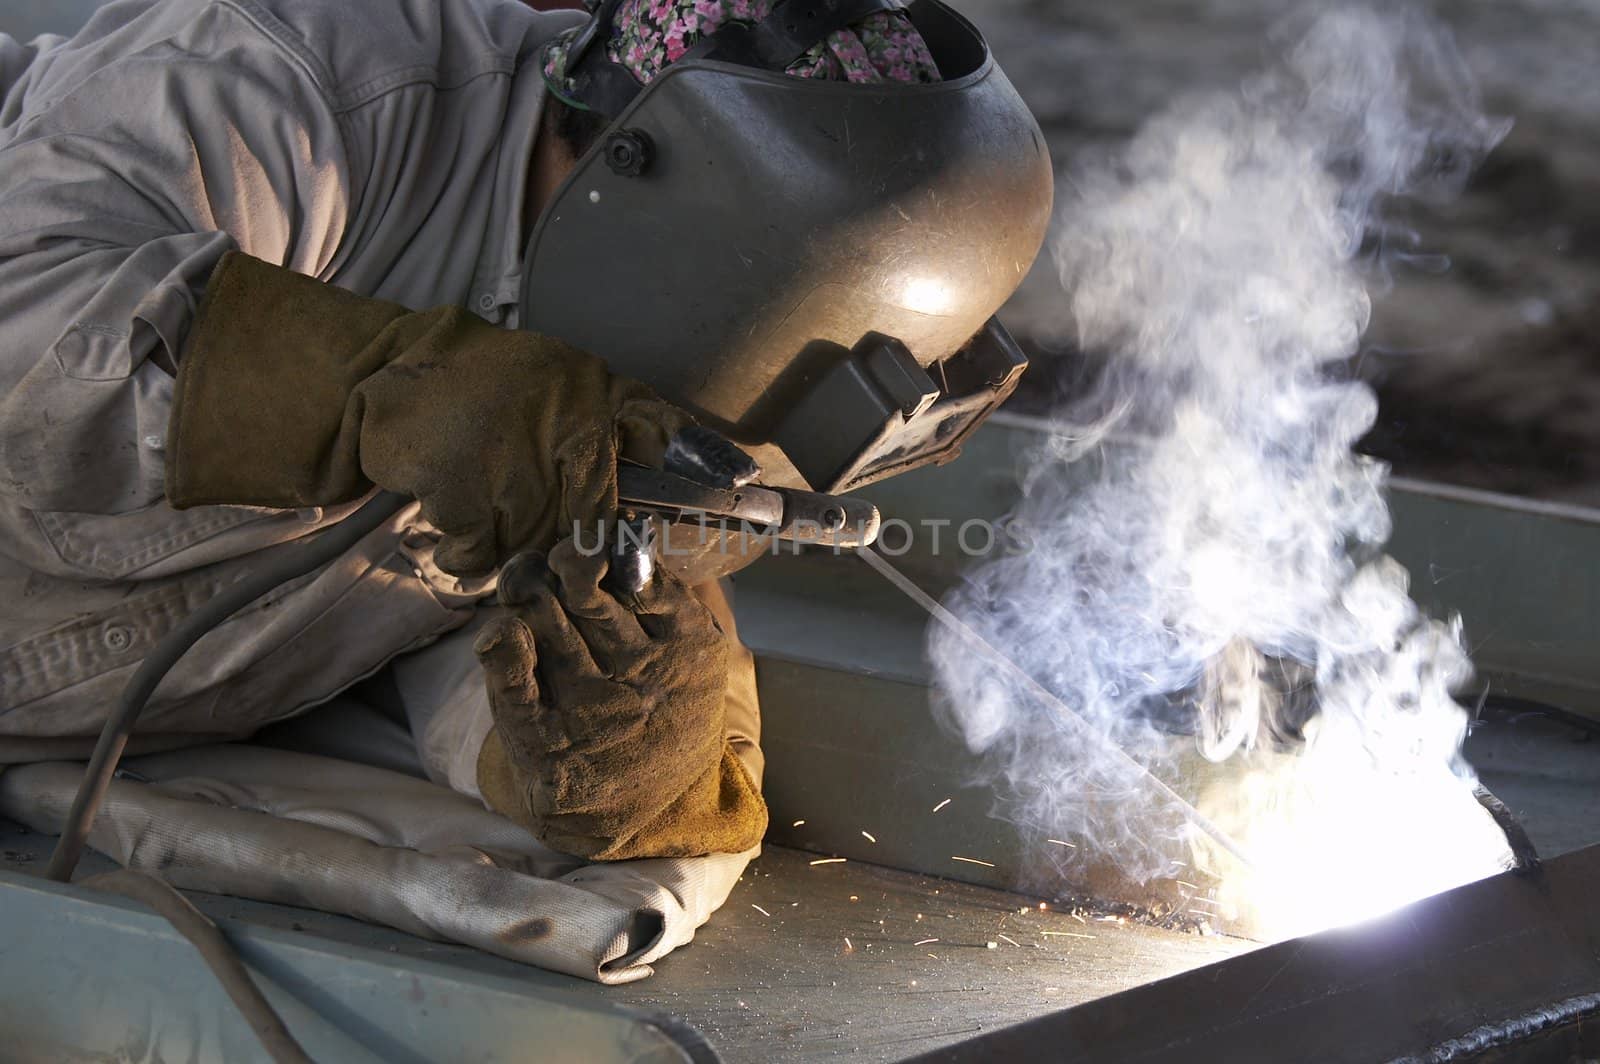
(628, 152)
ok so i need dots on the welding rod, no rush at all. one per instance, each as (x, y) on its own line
(959, 627)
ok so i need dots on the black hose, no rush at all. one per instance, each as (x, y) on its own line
(214, 949)
(295, 561)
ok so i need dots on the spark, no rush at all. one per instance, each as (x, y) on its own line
(1013, 941)
(941, 805)
(991, 945)
(1181, 883)
(828, 860)
(1058, 842)
(974, 860)
(848, 945)
(924, 942)
(1062, 711)
(868, 836)
(759, 909)
(1065, 934)
(1078, 918)
(797, 823)
(1477, 712)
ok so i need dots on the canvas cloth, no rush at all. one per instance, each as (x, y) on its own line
(380, 146)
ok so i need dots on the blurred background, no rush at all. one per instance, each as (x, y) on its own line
(1489, 369)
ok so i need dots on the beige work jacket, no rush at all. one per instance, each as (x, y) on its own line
(381, 146)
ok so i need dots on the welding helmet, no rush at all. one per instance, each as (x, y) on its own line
(809, 266)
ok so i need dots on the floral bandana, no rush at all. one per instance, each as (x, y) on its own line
(647, 36)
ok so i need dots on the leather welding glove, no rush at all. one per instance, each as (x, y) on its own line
(294, 393)
(609, 738)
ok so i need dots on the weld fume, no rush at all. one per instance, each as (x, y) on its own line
(1206, 572)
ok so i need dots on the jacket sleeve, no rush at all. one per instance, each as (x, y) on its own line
(129, 169)
(15, 59)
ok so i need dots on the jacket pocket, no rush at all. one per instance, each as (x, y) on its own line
(94, 353)
(115, 546)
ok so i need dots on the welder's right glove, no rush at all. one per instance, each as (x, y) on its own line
(294, 393)
(610, 732)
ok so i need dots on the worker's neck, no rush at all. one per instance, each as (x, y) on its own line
(552, 162)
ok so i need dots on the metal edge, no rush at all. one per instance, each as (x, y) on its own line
(1510, 956)
(336, 996)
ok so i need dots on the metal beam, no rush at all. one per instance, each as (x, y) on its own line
(1508, 965)
(89, 976)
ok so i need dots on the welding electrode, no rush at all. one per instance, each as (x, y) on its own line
(1065, 712)
(214, 949)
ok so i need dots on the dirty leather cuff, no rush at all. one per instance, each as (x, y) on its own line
(609, 738)
(295, 393)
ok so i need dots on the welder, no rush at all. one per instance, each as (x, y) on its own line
(262, 258)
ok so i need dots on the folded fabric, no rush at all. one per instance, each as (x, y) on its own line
(300, 829)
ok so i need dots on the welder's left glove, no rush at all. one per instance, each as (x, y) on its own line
(609, 737)
(295, 393)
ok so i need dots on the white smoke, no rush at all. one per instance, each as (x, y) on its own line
(1206, 543)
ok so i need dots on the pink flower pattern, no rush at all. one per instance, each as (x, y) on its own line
(649, 35)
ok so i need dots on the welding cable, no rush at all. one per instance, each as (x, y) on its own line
(224, 963)
(215, 950)
(297, 560)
